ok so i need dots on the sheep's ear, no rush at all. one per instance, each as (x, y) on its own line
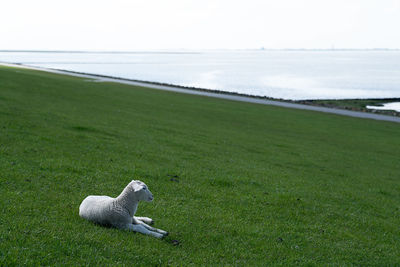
(137, 187)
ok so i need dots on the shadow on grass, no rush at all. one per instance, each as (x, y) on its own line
(84, 129)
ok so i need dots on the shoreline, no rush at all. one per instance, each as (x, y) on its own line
(294, 104)
(159, 51)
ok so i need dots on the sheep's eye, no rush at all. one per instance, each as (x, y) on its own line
(144, 188)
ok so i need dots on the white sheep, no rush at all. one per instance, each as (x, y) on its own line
(119, 212)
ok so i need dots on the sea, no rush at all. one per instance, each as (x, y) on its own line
(282, 74)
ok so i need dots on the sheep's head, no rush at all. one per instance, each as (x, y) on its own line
(141, 191)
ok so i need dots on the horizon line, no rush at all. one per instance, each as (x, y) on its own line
(188, 50)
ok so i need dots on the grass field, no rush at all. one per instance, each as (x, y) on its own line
(234, 183)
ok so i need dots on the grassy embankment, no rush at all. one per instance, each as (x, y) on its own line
(234, 183)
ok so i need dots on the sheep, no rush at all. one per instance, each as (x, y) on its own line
(119, 212)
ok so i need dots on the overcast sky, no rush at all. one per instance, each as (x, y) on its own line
(200, 24)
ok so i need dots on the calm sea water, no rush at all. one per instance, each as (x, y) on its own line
(280, 74)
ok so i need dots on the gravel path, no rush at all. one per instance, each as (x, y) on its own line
(99, 78)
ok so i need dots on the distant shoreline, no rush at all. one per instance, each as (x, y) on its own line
(296, 104)
(199, 51)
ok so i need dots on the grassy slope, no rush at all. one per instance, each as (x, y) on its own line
(257, 184)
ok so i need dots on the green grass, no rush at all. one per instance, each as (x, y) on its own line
(234, 183)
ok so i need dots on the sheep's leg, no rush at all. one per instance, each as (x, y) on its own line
(148, 227)
(141, 229)
(146, 220)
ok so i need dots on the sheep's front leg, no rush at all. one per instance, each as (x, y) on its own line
(141, 229)
(146, 220)
(148, 227)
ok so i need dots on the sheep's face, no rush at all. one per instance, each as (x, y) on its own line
(141, 191)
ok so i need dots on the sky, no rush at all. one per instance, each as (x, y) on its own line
(129, 25)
